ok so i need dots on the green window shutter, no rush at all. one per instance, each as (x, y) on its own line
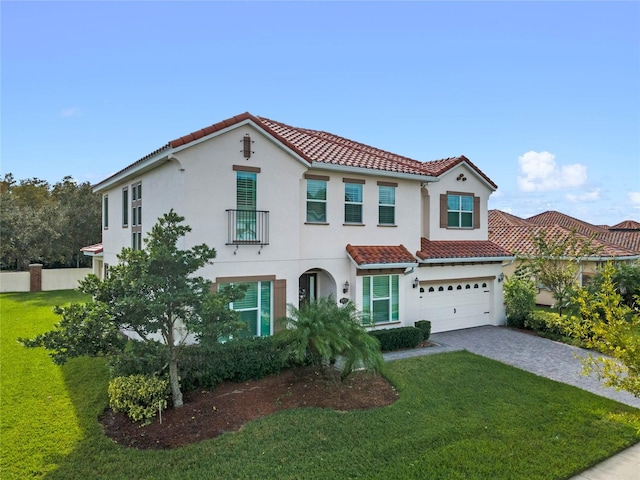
(353, 203)
(380, 286)
(246, 190)
(316, 200)
(395, 298)
(250, 299)
(366, 297)
(386, 207)
(265, 309)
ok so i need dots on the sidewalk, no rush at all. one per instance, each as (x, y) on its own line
(545, 358)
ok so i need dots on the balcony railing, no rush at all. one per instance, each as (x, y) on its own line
(248, 227)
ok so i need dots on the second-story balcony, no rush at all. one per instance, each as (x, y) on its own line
(248, 227)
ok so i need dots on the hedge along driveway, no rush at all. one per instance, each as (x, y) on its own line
(458, 416)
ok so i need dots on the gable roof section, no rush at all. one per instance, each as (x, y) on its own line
(449, 251)
(500, 218)
(368, 257)
(318, 148)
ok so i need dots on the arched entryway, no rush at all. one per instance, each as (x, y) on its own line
(315, 283)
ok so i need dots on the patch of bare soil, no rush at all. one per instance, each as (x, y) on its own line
(207, 414)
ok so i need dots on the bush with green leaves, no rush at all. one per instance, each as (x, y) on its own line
(322, 330)
(140, 397)
(561, 327)
(519, 299)
(236, 360)
(398, 338)
(140, 358)
(425, 326)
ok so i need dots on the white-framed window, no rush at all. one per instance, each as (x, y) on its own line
(459, 211)
(380, 298)
(352, 202)
(386, 205)
(316, 201)
(255, 308)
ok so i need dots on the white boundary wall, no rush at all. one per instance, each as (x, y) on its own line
(54, 279)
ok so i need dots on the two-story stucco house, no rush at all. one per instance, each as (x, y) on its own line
(299, 214)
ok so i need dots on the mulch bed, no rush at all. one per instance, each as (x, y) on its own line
(207, 414)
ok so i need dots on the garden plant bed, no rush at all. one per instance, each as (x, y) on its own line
(207, 414)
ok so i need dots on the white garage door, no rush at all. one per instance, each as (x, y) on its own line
(454, 305)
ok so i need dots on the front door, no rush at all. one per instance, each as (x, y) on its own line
(307, 285)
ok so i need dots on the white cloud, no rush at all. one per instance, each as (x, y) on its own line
(542, 173)
(634, 197)
(591, 196)
(70, 112)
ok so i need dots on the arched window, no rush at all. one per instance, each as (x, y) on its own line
(431, 289)
(440, 289)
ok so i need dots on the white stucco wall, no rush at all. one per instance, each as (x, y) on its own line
(199, 182)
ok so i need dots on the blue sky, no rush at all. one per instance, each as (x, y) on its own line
(544, 97)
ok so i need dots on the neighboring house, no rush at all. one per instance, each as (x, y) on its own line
(299, 214)
(618, 243)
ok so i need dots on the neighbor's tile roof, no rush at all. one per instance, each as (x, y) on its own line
(517, 235)
(93, 249)
(323, 147)
(374, 255)
(566, 221)
(626, 225)
(500, 218)
(629, 239)
(447, 249)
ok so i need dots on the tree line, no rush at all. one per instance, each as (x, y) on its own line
(48, 224)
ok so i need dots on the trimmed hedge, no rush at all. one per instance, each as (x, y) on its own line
(425, 326)
(237, 361)
(398, 338)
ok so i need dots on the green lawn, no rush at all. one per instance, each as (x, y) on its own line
(459, 416)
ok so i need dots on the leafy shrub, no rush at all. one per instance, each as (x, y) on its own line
(398, 338)
(425, 326)
(322, 330)
(520, 300)
(140, 358)
(236, 360)
(138, 396)
(562, 325)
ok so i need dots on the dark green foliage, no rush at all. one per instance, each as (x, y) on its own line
(237, 361)
(82, 331)
(47, 224)
(520, 299)
(323, 331)
(425, 326)
(398, 338)
(140, 358)
(153, 292)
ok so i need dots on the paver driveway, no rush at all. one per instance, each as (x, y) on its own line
(534, 354)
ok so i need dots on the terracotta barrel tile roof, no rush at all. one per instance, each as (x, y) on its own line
(447, 249)
(92, 249)
(518, 240)
(626, 225)
(499, 218)
(566, 221)
(379, 255)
